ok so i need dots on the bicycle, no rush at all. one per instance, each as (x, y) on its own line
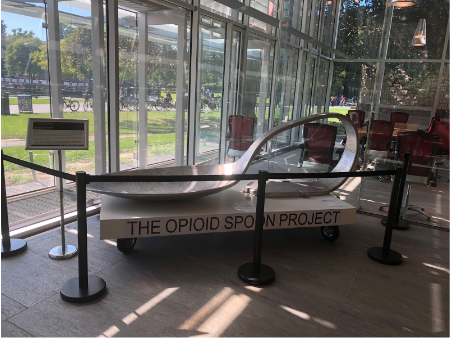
(88, 104)
(71, 104)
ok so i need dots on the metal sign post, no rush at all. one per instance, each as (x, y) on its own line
(64, 251)
(58, 134)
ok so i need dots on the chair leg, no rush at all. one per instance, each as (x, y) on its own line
(406, 202)
(420, 212)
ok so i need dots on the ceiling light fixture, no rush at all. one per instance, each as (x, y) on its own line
(419, 38)
(402, 3)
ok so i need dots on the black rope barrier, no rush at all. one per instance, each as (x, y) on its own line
(38, 167)
(384, 254)
(400, 224)
(256, 273)
(241, 177)
(10, 246)
(83, 288)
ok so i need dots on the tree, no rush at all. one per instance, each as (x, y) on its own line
(76, 54)
(19, 52)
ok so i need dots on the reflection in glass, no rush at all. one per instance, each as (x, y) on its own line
(360, 28)
(165, 63)
(24, 70)
(128, 89)
(257, 84)
(404, 24)
(210, 82)
(222, 10)
(286, 83)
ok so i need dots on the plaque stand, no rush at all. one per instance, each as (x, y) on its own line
(64, 251)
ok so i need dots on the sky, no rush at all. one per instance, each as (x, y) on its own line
(35, 24)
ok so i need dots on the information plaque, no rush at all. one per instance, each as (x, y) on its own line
(57, 134)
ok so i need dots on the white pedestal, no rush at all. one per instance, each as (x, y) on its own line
(229, 210)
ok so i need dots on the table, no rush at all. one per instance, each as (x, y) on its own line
(398, 128)
(227, 211)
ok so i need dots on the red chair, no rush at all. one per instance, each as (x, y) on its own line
(241, 134)
(422, 148)
(440, 128)
(381, 134)
(399, 117)
(357, 117)
(319, 144)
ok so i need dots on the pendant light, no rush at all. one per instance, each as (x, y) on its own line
(402, 3)
(419, 38)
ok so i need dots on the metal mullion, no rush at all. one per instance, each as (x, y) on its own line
(296, 84)
(226, 91)
(318, 57)
(243, 63)
(254, 31)
(440, 76)
(297, 104)
(242, 72)
(220, 18)
(142, 77)
(113, 85)
(55, 74)
(194, 48)
(329, 87)
(98, 75)
(180, 88)
(382, 57)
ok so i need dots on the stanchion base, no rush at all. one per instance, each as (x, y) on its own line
(16, 246)
(393, 257)
(247, 274)
(402, 224)
(57, 252)
(72, 293)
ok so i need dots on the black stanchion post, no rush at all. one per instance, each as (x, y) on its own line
(400, 224)
(384, 254)
(256, 273)
(10, 246)
(83, 288)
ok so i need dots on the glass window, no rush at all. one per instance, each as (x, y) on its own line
(328, 27)
(286, 75)
(285, 87)
(360, 28)
(166, 63)
(222, 10)
(268, 7)
(128, 88)
(210, 89)
(354, 82)
(24, 71)
(257, 83)
(404, 24)
(443, 97)
(321, 86)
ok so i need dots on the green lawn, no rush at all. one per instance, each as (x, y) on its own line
(76, 160)
(159, 122)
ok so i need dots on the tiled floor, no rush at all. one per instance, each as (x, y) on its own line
(187, 286)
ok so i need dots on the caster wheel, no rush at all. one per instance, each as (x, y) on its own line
(125, 245)
(330, 233)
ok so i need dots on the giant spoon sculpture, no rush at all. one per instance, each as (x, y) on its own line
(160, 191)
